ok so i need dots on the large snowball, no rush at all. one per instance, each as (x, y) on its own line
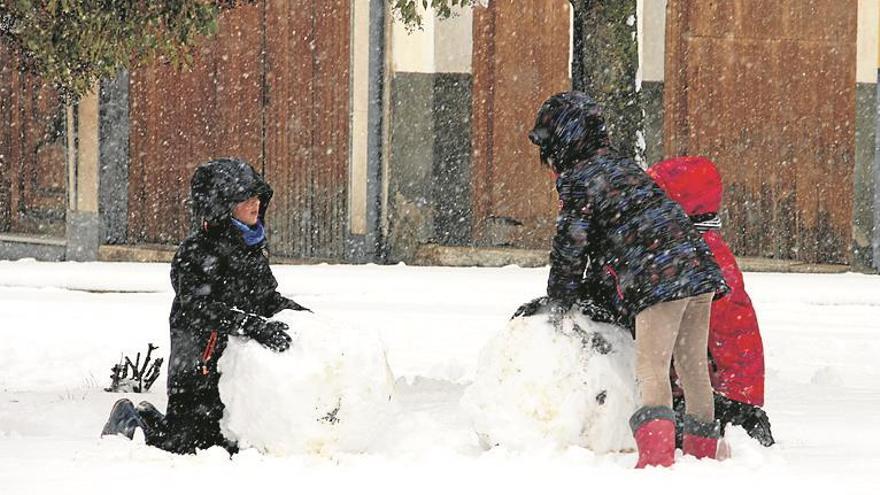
(538, 384)
(330, 392)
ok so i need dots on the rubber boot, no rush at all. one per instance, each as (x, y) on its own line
(154, 421)
(123, 420)
(700, 438)
(654, 432)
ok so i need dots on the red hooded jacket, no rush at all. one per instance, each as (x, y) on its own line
(734, 339)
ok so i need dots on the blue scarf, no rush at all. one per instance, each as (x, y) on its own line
(252, 235)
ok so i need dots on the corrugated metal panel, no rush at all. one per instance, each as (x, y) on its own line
(307, 125)
(33, 185)
(767, 90)
(181, 118)
(272, 88)
(521, 57)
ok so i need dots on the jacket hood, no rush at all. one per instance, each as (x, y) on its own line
(691, 181)
(569, 128)
(218, 185)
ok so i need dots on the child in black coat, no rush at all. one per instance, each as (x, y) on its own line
(223, 286)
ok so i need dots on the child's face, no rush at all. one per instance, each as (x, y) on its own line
(248, 211)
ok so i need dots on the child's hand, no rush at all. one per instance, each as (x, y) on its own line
(595, 311)
(531, 307)
(272, 335)
(545, 304)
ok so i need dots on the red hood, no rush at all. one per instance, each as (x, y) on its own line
(691, 181)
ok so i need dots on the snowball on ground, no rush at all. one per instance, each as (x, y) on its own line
(542, 384)
(330, 392)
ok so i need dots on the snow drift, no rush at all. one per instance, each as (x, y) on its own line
(330, 392)
(540, 383)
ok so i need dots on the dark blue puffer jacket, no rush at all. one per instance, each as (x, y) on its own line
(641, 247)
(620, 241)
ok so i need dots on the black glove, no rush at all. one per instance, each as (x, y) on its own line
(545, 304)
(594, 311)
(555, 309)
(753, 419)
(270, 334)
(531, 307)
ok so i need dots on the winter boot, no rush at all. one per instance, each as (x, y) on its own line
(154, 421)
(654, 431)
(123, 420)
(700, 439)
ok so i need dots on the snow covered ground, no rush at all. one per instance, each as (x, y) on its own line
(62, 325)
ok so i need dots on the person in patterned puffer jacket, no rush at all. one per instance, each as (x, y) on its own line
(735, 345)
(618, 230)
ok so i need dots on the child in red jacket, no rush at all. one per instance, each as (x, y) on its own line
(735, 346)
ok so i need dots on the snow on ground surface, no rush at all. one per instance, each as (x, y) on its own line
(63, 325)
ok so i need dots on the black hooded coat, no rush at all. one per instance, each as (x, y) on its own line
(222, 287)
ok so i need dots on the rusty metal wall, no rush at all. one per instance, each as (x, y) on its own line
(33, 156)
(521, 57)
(183, 117)
(307, 125)
(767, 90)
(271, 88)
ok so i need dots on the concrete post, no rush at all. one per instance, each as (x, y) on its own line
(83, 221)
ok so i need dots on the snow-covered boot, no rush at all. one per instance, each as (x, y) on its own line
(654, 431)
(154, 421)
(700, 439)
(123, 420)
